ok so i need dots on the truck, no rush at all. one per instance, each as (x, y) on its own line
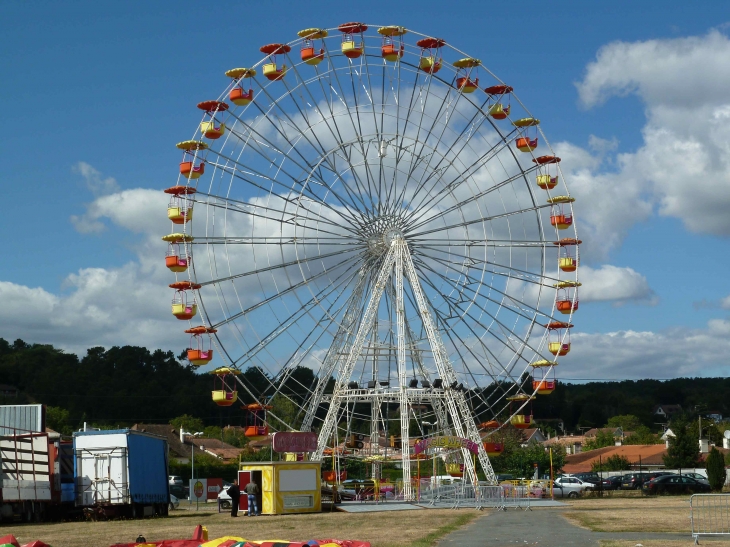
(121, 472)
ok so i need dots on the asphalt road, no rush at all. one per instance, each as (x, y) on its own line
(539, 527)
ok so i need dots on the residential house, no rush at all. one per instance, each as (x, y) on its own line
(665, 412)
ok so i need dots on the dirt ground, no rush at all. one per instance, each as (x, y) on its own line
(662, 543)
(648, 514)
(385, 529)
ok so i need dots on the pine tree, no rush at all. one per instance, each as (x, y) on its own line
(683, 451)
(716, 469)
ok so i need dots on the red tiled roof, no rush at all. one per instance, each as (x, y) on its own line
(649, 454)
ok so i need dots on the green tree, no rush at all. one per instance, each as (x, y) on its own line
(612, 463)
(57, 418)
(520, 461)
(683, 450)
(642, 435)
(627, 422)
(188, 423)
(716, 469)
(284, 414)
(602, 439)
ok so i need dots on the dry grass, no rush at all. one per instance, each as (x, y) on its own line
(655, 514)
(660, 543)
(418, 528)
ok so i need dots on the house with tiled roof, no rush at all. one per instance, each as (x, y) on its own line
(651, 456)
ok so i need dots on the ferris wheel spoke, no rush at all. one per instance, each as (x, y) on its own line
(447, 329)
(461, 242)
(478, 220)
(307, 167)
(474, 281)
(523, 275)
(279, 294)
(448, 188)
(286, 240)
(326, 157)
(295, 181)
(275, 267)
(454, 309)
(464, 174)
(294, 220)
(296, 315)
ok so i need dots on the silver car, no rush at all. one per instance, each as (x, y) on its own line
(570, 487)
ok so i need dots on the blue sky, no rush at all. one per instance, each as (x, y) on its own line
(114, 86)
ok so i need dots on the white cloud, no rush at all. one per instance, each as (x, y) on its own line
(683, 167)
(94, 182)
(614, 284)
(671, 353)
(725, 303)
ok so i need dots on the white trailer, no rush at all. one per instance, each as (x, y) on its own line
(121, 471)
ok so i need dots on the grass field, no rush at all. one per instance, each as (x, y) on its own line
(655, 514)
(661, 543)
(419, 528)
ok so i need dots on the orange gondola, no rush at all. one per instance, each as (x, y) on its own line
(528, 141)
(491, 424)
(431, 60)
(558, 216)
(350, 47)
(190, 149)
(177, 260)
(496, 108)
(544, 386)
(256, 424)
(566, 300)
(224, 394)
(272, 70)
(467, 68)
(392, 47)
(546, 180)
(311, 53)
(212, 128)
(238, 95)
(493, 449)
(199, 352)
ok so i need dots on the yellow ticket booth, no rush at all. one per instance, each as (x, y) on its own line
(285, 487)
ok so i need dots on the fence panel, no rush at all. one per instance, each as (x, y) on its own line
(709, 515)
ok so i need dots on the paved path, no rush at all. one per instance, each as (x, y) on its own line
(539, 528)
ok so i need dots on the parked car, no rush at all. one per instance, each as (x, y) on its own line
(174, 502)
(570, 487)
(224, 500)
(175, 480)
(180, 491)
(610, 483)
(634, 481)
(675, 484)
(696, 476)
(593, 478)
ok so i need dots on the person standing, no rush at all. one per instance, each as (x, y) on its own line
(235, 494)
(252, 490)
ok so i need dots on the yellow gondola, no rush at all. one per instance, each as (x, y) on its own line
(351, 48)
(431, 60)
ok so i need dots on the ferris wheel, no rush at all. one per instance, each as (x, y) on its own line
(377, 206)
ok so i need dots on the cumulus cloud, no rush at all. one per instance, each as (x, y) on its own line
(671, 353)
(614, 284)
(682, 168)
(98, 185)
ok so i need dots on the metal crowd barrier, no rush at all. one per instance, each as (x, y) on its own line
(460, 495)
(710, 515)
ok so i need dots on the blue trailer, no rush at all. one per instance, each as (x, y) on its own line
(121, 472)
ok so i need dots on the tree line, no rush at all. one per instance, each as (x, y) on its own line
(120, 386)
